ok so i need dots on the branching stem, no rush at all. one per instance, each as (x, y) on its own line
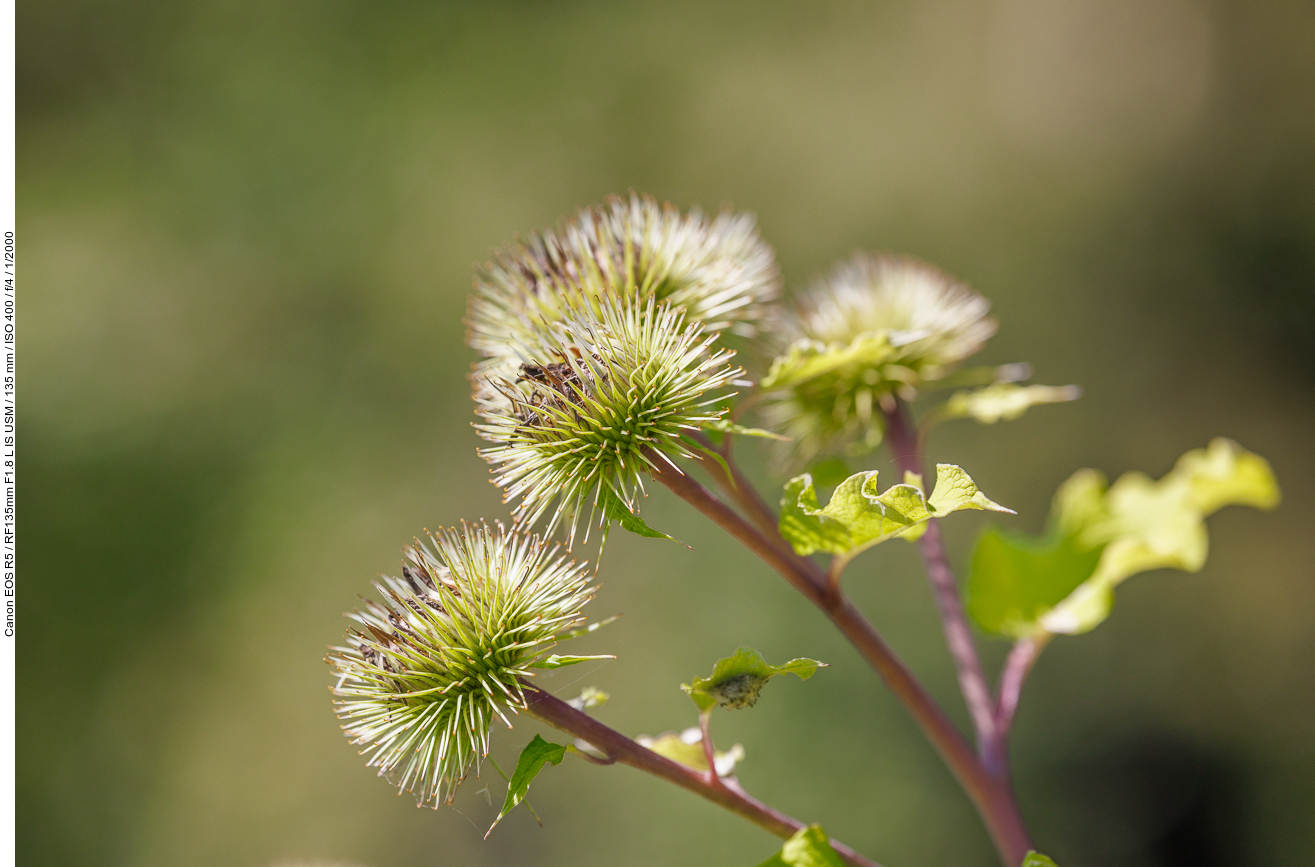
(1016, 668)
(905, 447)
(990, 793)
(551, 710)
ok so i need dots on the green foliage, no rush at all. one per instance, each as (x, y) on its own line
(1016, 579)
(536, 754)
(809, 847)
(1036, 859)
(859, 516)
(1004, 401)
(808, 359)
(737, 679)
(1064, 581)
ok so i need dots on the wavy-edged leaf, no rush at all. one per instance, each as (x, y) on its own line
(809, 847)
(1138, 524)
(859, 516)
(737, 679)
(536, 754)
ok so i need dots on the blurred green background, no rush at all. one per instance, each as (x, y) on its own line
(245, 241)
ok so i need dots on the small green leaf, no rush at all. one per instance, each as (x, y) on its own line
(556, 661)
(686, 748)
(1036, 859)
(1005, 401)
(724, 426)
(955, 490)
(535, 755)
(807, 359)
(614, 509)
(590, 696)
(859, 516)
(737, 679)
(809, 847)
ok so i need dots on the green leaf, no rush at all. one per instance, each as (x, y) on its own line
(724, 425)
(830, 472)
(809, 847)
(556, 661)
(1036, 859)
(1137, 525)
(614, 509)
(955, 490)
(1015, 580)
(535, 755)
(686, 748)
(737, 679)
(807, 359)
(1004, 401)
(859, 516)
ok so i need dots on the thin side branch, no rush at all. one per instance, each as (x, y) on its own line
(1017, 666)
(551, 710)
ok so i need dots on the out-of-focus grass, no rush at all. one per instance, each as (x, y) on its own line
(245, 237)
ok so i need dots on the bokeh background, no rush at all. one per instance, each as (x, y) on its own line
(245, 242)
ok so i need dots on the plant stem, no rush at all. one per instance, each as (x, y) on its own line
(1019, 663)
(551, 710)
(991, 794)
(904, 446)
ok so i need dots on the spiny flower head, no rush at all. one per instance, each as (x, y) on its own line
(877, 325)
(429, 667)
(719, 270)
(599, 399)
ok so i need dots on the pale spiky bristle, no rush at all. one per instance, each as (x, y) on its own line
(935, 319)
(605, 394)
(421, 680)
(719, 270)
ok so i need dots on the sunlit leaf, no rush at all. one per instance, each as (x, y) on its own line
(809, 847)
(1137, 525)
(1036, 859)
(1015, 580)
(1004, 401)
(536, 754)
(860, 516)
(737, 679)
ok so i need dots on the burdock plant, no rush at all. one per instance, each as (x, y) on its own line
(601, 367)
